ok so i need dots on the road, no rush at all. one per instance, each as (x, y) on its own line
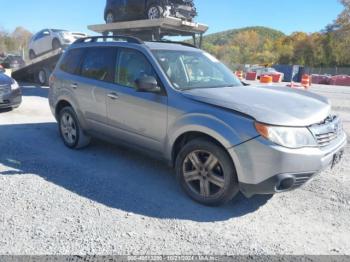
(110, 200)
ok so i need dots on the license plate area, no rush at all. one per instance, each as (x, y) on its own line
(337, 158)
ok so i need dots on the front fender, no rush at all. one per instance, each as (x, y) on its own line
(226, 135)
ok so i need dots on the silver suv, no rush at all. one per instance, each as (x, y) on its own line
(184, 106)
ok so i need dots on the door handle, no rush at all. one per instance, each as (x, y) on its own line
(113, 96)
(74, 85)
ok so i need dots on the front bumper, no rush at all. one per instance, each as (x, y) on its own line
(184, 12)
(12, 99)
(262, 166)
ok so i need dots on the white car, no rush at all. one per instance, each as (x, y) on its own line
(51, 39)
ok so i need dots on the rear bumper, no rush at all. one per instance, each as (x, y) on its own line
(265, 168)
(11, 100)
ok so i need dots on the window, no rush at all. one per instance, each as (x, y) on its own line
(99, 64)
(190, 70)
(132, 65)
(71, 61)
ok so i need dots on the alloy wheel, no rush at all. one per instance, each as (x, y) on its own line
(153, 13)
(203, 174)
(68, 128)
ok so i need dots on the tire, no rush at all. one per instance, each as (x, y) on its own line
(68, 122)
(217, 183)
(154, 12)
(56, 44)
(42, 77)
(32, 55)
(110, 18)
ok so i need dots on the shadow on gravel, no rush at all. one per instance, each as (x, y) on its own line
(110, 175)
(5, 110)
(34, 90)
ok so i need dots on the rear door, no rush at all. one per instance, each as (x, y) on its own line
(91, 73)
(138, 118)
(136, 8)
(92, 86)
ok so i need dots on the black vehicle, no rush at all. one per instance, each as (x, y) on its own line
(13, 62)
(126, 10)
(10, 92)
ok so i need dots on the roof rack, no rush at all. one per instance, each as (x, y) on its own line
(175, 42)
(123, 38)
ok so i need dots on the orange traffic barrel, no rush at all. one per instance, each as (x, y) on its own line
(306, 81)
(265, 79)
(239, 74)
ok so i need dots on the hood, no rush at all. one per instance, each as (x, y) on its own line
(274, 105)
(5, 80)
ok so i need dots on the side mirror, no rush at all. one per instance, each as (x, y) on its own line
(147, 84)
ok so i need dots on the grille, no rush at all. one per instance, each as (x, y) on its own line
(327, 131)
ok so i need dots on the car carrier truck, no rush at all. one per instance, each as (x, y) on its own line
(39, 69)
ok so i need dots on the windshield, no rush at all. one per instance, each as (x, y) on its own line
(191, 70)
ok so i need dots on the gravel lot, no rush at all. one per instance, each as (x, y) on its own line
(110, 200)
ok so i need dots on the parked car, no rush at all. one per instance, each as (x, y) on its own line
(125, 10)
(186, 107)
(10, 92)
(266, 71)
(13, 62)
(51, 39)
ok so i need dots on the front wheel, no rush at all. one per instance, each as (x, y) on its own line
(206, 173)
(70, 130)
(155, 12)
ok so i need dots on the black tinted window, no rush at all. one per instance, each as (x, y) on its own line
(71, 61)
(131, 66)
(99, 64)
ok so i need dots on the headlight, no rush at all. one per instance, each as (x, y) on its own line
(14, 85)
(291, 137)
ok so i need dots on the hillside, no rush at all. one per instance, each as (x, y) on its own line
(225, 37)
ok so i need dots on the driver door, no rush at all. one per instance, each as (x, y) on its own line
(135, 117)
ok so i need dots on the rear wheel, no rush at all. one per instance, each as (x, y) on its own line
(206, 173)
(70, 130)
(42, 77)
(155, 12)
(110, 18)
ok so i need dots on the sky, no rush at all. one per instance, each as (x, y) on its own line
(285, 15)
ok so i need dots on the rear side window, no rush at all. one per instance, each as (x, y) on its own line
(71, 61)
(99, 64)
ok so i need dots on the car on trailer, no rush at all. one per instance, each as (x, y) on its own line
(127, 10)
(51, 39)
